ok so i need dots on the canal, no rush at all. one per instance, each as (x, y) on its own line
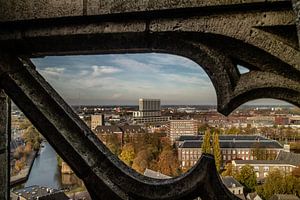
(45, 171)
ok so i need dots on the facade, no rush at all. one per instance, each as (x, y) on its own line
(127, 133)
(97, 120)
(263, 167)
(179, 128)
(232, 148)
(285, 162)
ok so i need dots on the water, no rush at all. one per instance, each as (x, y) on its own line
(45, 171)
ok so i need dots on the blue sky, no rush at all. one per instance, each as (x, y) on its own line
(121, 79)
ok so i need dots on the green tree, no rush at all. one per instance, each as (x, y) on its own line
(127, 155)
(206, 147)
(278, 183)
(217, 151)
(247, 178)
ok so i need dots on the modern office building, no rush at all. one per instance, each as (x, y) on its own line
(232, 148)
(149, 112)
(177, 128)
(148, 108)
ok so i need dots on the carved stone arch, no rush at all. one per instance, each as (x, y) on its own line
(255, 26)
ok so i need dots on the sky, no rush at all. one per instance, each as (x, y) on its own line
(121, 79)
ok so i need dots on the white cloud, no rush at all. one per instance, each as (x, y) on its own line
(53, 70)
(135, 65)
(100, 70)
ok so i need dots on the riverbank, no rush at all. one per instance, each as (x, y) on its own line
(23, 175)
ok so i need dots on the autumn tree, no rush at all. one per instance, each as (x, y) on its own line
(19, 152)
(233, 131)
(142, 161)
(229, 170)
(31, 135)
(20, 164)
(247, 178)
(203, 127)
(113, 143)
(206, 147)
(168, 163)
(127, 155)
(217, 151)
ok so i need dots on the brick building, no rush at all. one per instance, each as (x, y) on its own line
(232, 148)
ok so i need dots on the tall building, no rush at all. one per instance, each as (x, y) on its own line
(149, 112)
(97, 120)
(148, 108)
(179, 128)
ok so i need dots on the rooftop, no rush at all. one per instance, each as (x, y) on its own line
(231, 182)
(272, 144)
(38, 192)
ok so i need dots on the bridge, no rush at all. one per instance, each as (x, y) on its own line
(261, 35)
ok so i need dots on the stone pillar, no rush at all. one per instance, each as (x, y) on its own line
(4, 146)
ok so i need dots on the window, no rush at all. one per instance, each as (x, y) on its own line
(233, 151)
(256, 168)
(266, 174)
(266, 169)
(257, 174)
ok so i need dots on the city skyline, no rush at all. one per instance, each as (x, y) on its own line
(121, 79)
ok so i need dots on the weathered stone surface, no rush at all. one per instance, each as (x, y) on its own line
(96, 7)
(4, 147)
(34, 9)
(296, 6)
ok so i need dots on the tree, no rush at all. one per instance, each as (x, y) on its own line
(113, 143)
(168, 163)
(20, 164)
(19, 152)
(233, 131)
(278, 183)
(127, 155)
(229, 170)
(217, 151)
(31, 135)
(142, 161)
(203, 127)
(206, 147)
(247, 178)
